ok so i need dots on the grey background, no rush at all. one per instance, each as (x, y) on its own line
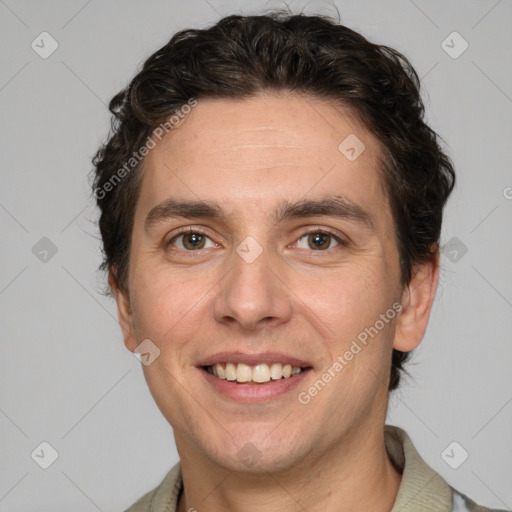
(66, 377)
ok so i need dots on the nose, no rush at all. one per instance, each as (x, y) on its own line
(254, 294)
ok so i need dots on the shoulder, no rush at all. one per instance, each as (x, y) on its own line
(461, 503)
(422, 488)
(143, 504)
(163, 497)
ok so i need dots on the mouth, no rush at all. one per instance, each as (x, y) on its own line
(253, 378)
(261, 373)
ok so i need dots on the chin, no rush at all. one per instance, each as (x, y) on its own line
(257, 453)
(251, 460)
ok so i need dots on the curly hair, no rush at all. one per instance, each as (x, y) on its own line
(240, 56)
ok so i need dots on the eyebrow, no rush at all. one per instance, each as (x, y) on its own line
(335, 206)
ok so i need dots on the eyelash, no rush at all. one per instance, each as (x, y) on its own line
(322, 231)
(187, 231)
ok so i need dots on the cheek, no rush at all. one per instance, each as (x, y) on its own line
(345, 309)
(168, 310)
(346, 300)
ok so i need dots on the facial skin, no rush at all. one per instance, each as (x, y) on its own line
(250, 156)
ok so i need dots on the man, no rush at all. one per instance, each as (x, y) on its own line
(271, 204)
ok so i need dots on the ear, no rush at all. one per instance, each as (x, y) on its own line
(417, 300)
(124, 311)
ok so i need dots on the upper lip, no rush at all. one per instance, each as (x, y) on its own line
(253, 359)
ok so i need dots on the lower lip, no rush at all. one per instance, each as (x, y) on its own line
(254, 393)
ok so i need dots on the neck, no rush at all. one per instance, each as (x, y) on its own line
(355, 475)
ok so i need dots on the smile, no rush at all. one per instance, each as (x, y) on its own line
(253, 374)
(254, 377)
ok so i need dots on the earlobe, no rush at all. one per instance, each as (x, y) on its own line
(124, 312)
(417, 300)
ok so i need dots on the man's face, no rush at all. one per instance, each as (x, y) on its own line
(251, 283)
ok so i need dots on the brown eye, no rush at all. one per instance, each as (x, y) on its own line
(319, 241)
(193, 241)
(190, 241)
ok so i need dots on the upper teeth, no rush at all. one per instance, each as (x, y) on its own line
(256, 373)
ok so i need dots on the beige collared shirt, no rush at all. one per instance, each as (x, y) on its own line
(421, 488)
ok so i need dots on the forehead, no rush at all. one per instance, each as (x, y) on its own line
(263, 148)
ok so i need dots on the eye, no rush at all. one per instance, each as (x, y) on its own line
(319, 240)
(190, 240)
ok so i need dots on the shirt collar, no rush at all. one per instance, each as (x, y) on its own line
(421, 487)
